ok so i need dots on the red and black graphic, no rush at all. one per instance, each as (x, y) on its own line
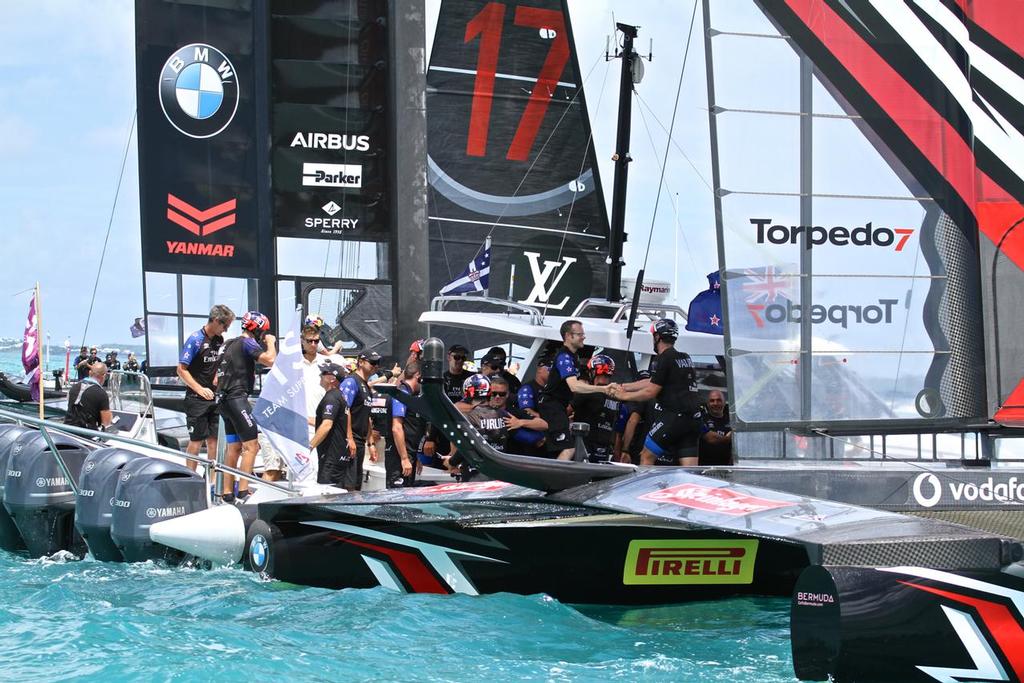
(924, 625)
(201, 222)
(937, 86)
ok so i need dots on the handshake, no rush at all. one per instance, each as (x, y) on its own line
(614, 390)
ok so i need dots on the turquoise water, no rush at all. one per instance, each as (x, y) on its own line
(71, 620)
(66, 620)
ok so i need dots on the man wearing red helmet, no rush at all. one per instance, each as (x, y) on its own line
(605, 415)
(236, 377)
(676, 429)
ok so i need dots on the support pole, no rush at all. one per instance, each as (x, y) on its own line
(621, 158)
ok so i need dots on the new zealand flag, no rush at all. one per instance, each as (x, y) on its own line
(705, 314)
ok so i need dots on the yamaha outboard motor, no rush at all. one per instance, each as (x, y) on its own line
(94, 509)
(150, 491)
(39, 497)
(10, 537)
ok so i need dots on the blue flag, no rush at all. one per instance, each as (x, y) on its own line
(705, 314)
(476, 275)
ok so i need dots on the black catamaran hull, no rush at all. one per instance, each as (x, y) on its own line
(572, 554)
(908, 624)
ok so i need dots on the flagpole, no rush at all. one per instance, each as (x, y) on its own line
(487, 250)
(42, 356)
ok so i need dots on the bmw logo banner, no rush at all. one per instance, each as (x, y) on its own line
(198, 175)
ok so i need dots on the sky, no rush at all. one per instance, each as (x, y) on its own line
(66, 112)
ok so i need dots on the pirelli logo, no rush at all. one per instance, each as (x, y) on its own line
(675, 562)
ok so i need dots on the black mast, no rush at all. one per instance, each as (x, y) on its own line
(621, 158)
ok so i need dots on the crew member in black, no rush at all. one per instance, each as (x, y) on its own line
(476, 392)
(197, 366)
(406, 432)
(493, 363)
(112, 362)
(335, 466)
(640, 416)
(357, 395)
(716, 441)
(676, 429)
(236, 376)
(456, 374)
(605, 415)
(88, 403)
(563, 382)
(84, 362)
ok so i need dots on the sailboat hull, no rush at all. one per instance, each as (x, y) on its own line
(571, 553)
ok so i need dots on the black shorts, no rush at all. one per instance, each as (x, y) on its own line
(338, 472)
(393, 468)
(238, 419)
(200, 418)
(557, 437)
(674, 436)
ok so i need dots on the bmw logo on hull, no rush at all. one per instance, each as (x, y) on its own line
(199, 90)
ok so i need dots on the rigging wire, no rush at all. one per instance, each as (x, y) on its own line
(672, 197)
(679, 147)
(110, 224)
(583, 162)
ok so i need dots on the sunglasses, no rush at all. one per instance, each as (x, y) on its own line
(499, 394)
(459, 357)
(312, 340)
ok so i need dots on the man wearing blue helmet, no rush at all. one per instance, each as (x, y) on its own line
(676, 429)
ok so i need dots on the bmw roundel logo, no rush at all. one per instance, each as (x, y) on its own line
(259, 552)
(199, 90)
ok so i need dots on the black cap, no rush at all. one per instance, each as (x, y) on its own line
(497, 351)
(545, 362)
(455, 348)
(330, 368)
(372, 357)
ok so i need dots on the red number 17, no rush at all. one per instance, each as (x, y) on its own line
(487, 24)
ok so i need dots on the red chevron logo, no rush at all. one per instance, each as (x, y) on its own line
(200, 222)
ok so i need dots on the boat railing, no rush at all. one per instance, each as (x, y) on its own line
(89, 437)
(620, 309)
(444, 303)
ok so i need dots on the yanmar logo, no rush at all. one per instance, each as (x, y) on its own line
(839, 236)
(201, 223)
(711, 499)
(675, 562)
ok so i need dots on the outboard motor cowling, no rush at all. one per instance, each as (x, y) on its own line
(150, 491)
(94, 508)
(10, 537)
(39, 497)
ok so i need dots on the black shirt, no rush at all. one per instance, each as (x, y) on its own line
(200, 356)
(720, 453)
(85, 401)
(413, 424)
(491, 424)
(565, 366)
(606, 417)
(357, 395)
(453, 382)
(236, 372)
(83, 371)
(678, 381)
(332, 407)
